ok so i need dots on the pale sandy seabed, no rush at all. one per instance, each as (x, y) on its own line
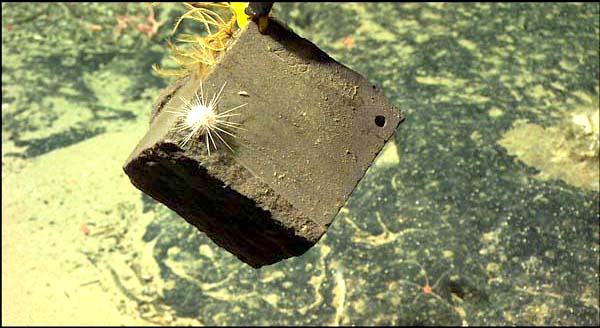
(489, 190)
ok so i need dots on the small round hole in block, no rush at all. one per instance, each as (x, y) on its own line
(380, 121)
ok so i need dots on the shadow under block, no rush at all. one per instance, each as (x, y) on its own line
(312, 127)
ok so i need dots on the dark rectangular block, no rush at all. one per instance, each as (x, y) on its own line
(312, 127)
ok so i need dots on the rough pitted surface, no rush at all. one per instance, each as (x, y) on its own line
(204, 200)
(311, 129)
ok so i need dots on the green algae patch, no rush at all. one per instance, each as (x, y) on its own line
(568, 151)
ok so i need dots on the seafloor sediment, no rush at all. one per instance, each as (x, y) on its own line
(460, 221)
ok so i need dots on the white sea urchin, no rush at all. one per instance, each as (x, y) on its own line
(203, 119)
